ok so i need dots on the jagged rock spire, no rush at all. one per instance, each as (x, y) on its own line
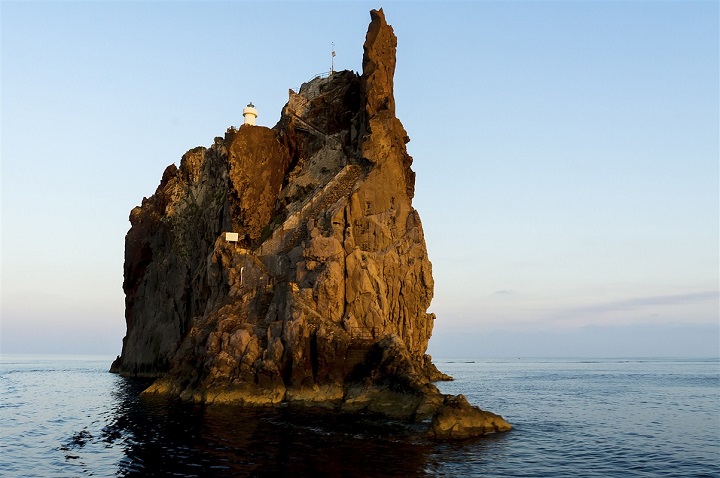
(324, 298)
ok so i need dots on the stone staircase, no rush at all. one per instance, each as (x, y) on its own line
(340, 186)
(361, 341)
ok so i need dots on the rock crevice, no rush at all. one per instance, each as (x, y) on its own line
(323, 299)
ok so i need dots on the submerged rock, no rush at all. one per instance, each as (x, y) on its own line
(322, 301)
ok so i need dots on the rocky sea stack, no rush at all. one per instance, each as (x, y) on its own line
(322, 300)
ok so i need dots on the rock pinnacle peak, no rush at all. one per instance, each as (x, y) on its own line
(287, 265)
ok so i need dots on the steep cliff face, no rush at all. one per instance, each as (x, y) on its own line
(324, 299)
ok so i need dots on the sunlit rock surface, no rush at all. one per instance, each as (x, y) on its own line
(323, 300)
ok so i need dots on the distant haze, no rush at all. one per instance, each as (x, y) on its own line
(566, 157)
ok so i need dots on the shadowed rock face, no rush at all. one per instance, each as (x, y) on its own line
(323, 301)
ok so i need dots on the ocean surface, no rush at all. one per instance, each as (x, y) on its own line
(67, 416)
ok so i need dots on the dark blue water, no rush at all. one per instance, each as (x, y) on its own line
(66, 416)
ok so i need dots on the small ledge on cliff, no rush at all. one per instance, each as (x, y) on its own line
(321, 297)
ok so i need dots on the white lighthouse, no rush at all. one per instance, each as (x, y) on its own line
(250, 113)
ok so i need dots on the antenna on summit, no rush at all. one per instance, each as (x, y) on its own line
(332, 59)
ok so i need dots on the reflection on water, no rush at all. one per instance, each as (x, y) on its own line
(637, 418)
(164, 437)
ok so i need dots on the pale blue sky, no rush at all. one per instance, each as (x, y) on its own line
(566, 156)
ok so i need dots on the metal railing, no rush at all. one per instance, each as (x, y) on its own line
(361, 333)
(324, 74)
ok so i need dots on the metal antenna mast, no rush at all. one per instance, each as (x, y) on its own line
(332, 59)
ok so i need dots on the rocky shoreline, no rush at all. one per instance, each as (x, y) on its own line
(322, 299)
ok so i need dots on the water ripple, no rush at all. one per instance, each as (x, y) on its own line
(588, 418)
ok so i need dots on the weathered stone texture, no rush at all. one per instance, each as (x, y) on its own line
(324, 299)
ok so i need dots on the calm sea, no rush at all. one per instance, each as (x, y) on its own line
(66, 416)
